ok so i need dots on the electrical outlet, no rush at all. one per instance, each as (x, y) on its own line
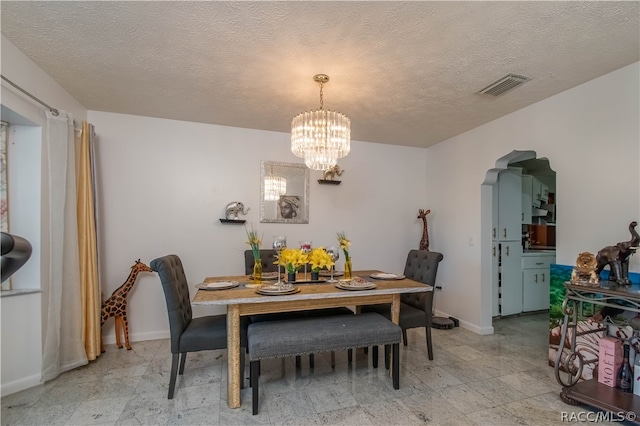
(472, 240)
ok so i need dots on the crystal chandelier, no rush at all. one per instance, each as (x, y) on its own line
(321, 137)
(274, 187)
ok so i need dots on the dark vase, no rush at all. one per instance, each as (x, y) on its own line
(291, 277)
(315, 276)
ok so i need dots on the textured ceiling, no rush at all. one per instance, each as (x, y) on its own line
(406, 73)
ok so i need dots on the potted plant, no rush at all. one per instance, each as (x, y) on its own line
(319, 259)
(292, 259)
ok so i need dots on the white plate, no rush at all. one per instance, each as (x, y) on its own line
(328, 273)
(272, 292)
(218, 285)
(267, 276)
(386, 276)
(359, 286)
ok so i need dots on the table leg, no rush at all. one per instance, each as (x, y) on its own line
(395, 318)
(233, 356)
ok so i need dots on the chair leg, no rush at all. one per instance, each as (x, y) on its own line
(349, 355)
(255, 367)
(387, 352)
(374, 356)
(298, 362)
(366, 350)
(311, 361)
(183, 359)
(396, 366)
(429, 345)
(174, 373)
(404, 336)
(242, 360)
(333, 359)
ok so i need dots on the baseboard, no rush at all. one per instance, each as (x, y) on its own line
(20, 384)
(110, 339)
(483, 331)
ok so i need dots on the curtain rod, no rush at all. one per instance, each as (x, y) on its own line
(51, 109)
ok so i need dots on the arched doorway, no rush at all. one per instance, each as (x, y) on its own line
(526, 161)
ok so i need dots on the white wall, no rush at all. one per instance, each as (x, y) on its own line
(164, 185)
(590, 134)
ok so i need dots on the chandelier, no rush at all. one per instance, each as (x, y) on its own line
(274, 187)
(320, 137)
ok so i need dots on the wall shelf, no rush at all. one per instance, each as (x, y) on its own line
(236, 221)
(329, 182)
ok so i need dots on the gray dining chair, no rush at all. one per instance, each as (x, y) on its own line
(190, 334)
(268, 257)
(416, 309)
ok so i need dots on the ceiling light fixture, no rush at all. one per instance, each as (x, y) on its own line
(320, 137)
(274, 187)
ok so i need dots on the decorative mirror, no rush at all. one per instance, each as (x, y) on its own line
(284, 192)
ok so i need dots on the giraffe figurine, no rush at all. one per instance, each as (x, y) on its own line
(424, 241)
(116, 305)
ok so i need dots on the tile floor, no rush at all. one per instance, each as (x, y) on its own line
(502, 379)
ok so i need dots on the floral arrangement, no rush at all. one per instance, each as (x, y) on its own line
(344, 244)
(319, 258)
(292, 259)
(254, 241)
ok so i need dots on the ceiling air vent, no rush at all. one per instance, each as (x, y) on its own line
(506, 83)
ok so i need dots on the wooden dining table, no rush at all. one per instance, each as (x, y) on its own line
(242, 301)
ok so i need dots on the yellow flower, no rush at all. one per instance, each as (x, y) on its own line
(318, 258)
(344, 244)
(254, 242)
(292, 259)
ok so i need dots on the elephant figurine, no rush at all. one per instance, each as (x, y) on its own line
(617, 257)
(233, 208)
(331, 173)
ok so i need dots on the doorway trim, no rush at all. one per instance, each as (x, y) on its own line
(487, 192)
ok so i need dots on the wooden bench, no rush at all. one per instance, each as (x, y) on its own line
(276, 339)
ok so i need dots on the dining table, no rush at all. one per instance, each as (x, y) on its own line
(244, 300)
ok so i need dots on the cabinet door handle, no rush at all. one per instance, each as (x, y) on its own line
(507, 249)
(539, 263)
(535, 278)
(522, 214)
(504, 232)
(543, 277)
(494, 233)
(494, 252)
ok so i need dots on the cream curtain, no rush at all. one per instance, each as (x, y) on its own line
(87, 242)
(63, 347)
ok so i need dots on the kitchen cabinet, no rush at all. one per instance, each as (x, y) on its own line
(532, 189)
(535, 280)
(508, 226)
(510, 277)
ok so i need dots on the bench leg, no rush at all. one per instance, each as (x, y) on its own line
(374, 356)
(349, 355)
(298, 362)
(404, 337)
(255, 368)
(311, 361)
(396, 366)
(387, 351)
(333, 359)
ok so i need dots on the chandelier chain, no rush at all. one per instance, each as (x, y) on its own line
(321, 96)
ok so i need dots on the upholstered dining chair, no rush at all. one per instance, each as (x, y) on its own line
(416, 309)
(268, 257)
(190, 334)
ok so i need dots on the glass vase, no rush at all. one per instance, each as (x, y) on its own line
(347, 269)
(315, 275)
(291, 277)
(257, 271)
